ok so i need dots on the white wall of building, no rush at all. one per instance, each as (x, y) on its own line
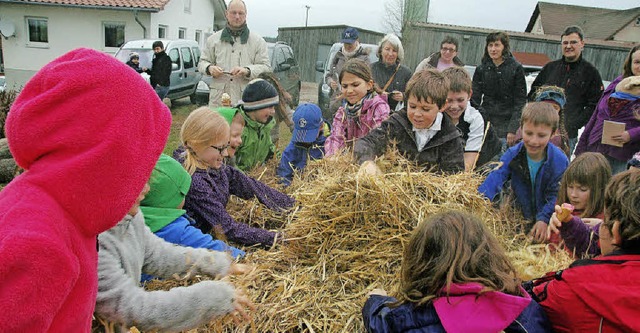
(174, 16)
(68, 28)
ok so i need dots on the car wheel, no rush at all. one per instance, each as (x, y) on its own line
(193, 98)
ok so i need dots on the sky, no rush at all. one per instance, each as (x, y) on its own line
(265, 16)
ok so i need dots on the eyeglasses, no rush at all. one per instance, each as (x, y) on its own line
(221, 149)
(447, 49)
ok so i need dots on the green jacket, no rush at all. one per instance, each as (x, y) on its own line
(256, 145)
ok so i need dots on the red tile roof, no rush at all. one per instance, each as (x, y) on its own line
(154, 5)
(532, 59)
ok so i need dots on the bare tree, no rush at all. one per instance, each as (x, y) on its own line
(400, 12)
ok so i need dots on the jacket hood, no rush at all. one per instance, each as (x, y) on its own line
(616, 302)
(491, 312)
(88, 130)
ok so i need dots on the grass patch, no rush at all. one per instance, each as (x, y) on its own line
(179, 112)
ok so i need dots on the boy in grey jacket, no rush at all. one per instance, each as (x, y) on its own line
(130, 248)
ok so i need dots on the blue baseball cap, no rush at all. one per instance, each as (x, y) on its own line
(349, 35)
(307, 120)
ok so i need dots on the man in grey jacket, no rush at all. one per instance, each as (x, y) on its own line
(233, 56)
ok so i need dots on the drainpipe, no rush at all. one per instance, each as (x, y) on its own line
(144, 29)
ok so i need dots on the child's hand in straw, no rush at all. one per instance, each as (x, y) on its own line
(237, 269)
(538, 232)
(378, 291)
(369, 168)
(240, 302)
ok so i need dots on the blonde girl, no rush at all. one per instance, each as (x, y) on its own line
(205, 144)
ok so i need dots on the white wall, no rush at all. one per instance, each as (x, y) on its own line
(630, 33)
(174, 17)
(68, 28)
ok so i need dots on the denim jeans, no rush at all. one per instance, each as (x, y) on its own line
(162, 91)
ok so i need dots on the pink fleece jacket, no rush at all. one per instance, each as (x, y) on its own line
(88, 130)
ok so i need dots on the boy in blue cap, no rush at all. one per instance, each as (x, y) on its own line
(307, 142)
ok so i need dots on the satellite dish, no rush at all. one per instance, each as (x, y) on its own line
(7, 28)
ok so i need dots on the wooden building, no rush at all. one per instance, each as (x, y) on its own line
(424, 39)
(312, 44)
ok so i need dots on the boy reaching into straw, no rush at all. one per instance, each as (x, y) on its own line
(422, 133)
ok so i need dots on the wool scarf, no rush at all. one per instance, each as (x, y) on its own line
(229, 34)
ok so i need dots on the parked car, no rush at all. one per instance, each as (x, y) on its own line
(284, 66)
(3, 83)
(184, 55)
(323, 88)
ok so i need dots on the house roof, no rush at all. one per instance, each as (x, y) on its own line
(597, 23)
(531, 59)
(147, 5)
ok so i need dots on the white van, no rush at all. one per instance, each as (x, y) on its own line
(184, 55)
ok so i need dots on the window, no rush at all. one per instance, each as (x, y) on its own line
(288, 53)
(198, 36)
(187, 59)
(175, 57)
(187, 6)
(113, 34)
(278, 58)
(38, 30)
(182, 33)
(638, 21)
(196, 54)
(162, 31)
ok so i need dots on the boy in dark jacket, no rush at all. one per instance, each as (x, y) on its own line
(160, 71)
(422, 133)
(534, 166)
(307, 142)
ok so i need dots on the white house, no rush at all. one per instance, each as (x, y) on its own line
(46, 29)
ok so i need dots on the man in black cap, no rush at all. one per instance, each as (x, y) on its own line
(351, 48)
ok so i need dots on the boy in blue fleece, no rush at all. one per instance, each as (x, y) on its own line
(163, 213)
(307, 142)
(534, 166)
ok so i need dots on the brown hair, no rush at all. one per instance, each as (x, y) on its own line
(458, 78)
(626, 69)
(202, 128)
(359, 68)
(593, 171)
(540, 113)
(494, 37)
(453, 247)
(429, 84)
(622, 204)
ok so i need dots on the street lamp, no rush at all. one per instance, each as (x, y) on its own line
(306, 20)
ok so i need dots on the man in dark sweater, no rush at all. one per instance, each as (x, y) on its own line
(579, 78)
(160, 70)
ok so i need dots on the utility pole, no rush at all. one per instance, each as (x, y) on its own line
(306, 20)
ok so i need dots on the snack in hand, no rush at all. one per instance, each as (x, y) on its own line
(565, 215)
(226, 100)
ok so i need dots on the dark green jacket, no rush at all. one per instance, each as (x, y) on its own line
(256, 146)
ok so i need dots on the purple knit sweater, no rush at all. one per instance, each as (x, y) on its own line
(209, 194)
(581, 238)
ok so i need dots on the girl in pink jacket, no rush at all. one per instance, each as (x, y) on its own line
(362, 109)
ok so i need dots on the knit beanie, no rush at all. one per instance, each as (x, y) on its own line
(91, 147)
(551, 96)
(259, 94)
(169, 184)
(227, 113)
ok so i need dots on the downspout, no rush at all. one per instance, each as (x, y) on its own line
(144, 29)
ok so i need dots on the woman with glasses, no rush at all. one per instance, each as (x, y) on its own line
(445, 58)
(499, 88)
(205, 144)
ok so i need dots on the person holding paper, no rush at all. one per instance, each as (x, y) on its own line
(619, 106)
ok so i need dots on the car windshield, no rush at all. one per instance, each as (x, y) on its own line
(146, 55)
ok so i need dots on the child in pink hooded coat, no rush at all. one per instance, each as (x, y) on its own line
(88, 131)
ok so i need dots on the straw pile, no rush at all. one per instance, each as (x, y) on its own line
(347, 237)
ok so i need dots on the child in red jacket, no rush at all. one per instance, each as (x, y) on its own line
(601, 294)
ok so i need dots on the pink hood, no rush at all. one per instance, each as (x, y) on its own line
(88, 130)
(491, 312)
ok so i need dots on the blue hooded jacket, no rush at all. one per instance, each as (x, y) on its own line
(540, 205)
(295, 156)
